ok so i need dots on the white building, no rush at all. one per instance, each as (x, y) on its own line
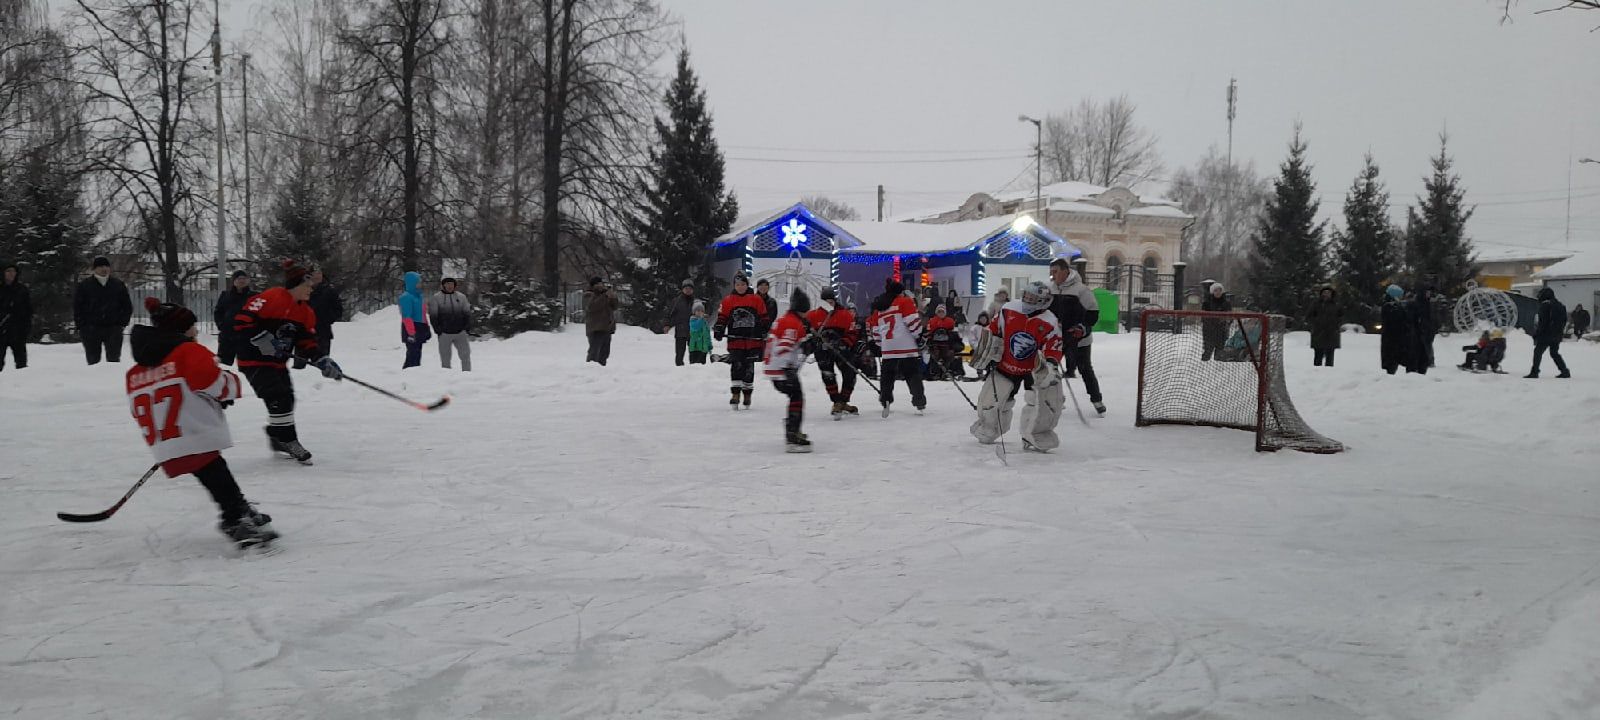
(1576, 280)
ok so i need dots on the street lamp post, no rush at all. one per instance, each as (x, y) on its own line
(1038, 166)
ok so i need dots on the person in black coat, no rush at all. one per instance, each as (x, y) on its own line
(1214, 333)
(1580, 322)
(1547, 334)
(1324, 321)
(328, 306)
(101, 308)
(1397, 347)
(764, 290)
(1426, 327)
(677, 319)
(229, 303)
(16, 317)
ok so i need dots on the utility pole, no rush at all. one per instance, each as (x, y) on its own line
(880, 203)
(1233, 101)
(249, 227)
(222, 215)
(1569, 200)
(1038, 166)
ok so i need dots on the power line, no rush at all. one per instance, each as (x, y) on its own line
(865, 151)
(814, 161)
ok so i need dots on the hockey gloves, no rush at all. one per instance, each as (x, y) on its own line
(719, 333)
(1077, 331)
(329, 368)
(272, 345)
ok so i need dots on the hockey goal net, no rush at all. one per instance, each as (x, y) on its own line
(1221, 370)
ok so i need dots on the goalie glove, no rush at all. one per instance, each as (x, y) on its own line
(985, 350)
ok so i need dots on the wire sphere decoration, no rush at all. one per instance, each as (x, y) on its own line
(1484, 308)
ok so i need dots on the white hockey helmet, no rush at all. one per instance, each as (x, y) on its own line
(1036, 294)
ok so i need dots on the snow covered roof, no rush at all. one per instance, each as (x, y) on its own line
(1165, 211)
(1578, 266)
(909, 238)
(751, 223)
(1519, 253)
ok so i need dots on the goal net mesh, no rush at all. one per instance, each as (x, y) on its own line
(1221, 370)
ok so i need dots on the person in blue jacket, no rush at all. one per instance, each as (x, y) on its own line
(414, 330)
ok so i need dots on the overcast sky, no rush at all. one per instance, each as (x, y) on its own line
(856, 89)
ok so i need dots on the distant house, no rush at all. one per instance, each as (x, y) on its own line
(1576, 280)
(1504, 267)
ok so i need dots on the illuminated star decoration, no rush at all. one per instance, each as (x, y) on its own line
(794, 233)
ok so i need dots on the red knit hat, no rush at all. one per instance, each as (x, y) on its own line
(293, 273)
(169, 317)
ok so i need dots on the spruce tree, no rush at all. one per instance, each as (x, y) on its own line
(45, 229)
(300, 228)
(686, 203)
(1287, 263)
(1438, 253)
(1364, 251)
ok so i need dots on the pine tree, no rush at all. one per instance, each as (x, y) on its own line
(1364, 251)
(1438, 253)
(511, 303)
(300, 228)
(686, 203)
(45, 229)
(1287, 263)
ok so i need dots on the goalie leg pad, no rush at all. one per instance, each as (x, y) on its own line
(999, 393)
(1043, 409)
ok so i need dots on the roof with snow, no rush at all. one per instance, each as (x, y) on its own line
(901, 238)
(1072, 197)
(1519, 253)
(1581, 265)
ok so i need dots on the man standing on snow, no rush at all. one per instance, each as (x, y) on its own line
(414, 330)
(1397, 345)
(600, 320)
(451, 314)
(229, 303)
(328, 306)
(1580, 322)
(677, 320)
(1547, 334)
(280, 325)
(16, 317)
(101, 309)
(1076, 311)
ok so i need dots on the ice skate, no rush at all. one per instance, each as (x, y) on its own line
(292, 449)
(1099, 408)
(249, 530)
(796, 442)
(747, 399)
(850, 409)
(886, 409)
(838, 411)
(733, 402)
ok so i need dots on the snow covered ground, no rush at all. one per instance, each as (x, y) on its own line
(571, 541)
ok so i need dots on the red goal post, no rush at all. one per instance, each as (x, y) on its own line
(1221, 369)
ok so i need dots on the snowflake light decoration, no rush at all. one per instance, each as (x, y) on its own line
(794, 233)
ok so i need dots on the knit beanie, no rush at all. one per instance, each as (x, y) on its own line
(294, 274)
(169, 317)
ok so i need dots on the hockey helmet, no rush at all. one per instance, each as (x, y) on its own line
(1036, 294)
(799, 302)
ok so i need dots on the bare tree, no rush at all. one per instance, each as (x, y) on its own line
(142, 61)
(1101, 144)
(1225, 201)
(1506, 5)
(830, 208)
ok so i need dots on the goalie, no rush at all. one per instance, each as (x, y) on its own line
(1021, 349)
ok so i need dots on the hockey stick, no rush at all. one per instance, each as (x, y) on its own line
(1074, 396)
(441, 402)
(106, 514)
(957, 383)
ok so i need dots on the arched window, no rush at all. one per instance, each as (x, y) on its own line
(1113, 271)
(1152, 279)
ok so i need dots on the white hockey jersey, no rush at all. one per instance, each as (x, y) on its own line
(898, 329)
(177, 401)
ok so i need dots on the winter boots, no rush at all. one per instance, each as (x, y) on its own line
(841, 409)
(1100, 407)
(733, 400)
(796, 442)
(747, 392)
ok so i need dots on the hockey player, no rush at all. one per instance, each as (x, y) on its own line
(742, 319)
(278, 325)
(176, 393)
(942, 338)
(899, 330)
(1024, 347)
(787, 346)
(836, 327)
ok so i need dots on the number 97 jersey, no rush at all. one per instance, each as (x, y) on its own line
(178, 404)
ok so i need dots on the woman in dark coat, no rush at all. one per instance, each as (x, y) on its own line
(1398, 345)
(1324, 321)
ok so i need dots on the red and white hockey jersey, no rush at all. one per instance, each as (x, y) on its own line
(175, 394)
(1024, 337)
(898, 328)
(783, 351)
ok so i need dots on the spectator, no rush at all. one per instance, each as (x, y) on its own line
(1487, 353)
(764, 291)
(451, 314)
(679, 314)
(1077, 312)
(952, 304)
(229, 304)
(414, 330)
(942, 339)
(1547, 334)
(101, 309)
(600, 320)
(699, 334)
(1214, 333)
(1426, 327)
(1397, 347)
(1324, 320)
(16, 317)
(1580, 322)
(328, 306)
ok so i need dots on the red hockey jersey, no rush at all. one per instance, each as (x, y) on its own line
(898, 329)
(942, 329)
(277, 312)
(743, 318)
(1025, 337)
(783, 351)
(837, 324)
(175, 394)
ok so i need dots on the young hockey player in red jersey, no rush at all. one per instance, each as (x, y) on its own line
(836, 327)
(899, 329)
(1024, 345)
(743, 320)
(176, 392)
(942, 339)
(278, 325)
(786, 352)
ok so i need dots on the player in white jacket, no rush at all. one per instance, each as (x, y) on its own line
(176, 393)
